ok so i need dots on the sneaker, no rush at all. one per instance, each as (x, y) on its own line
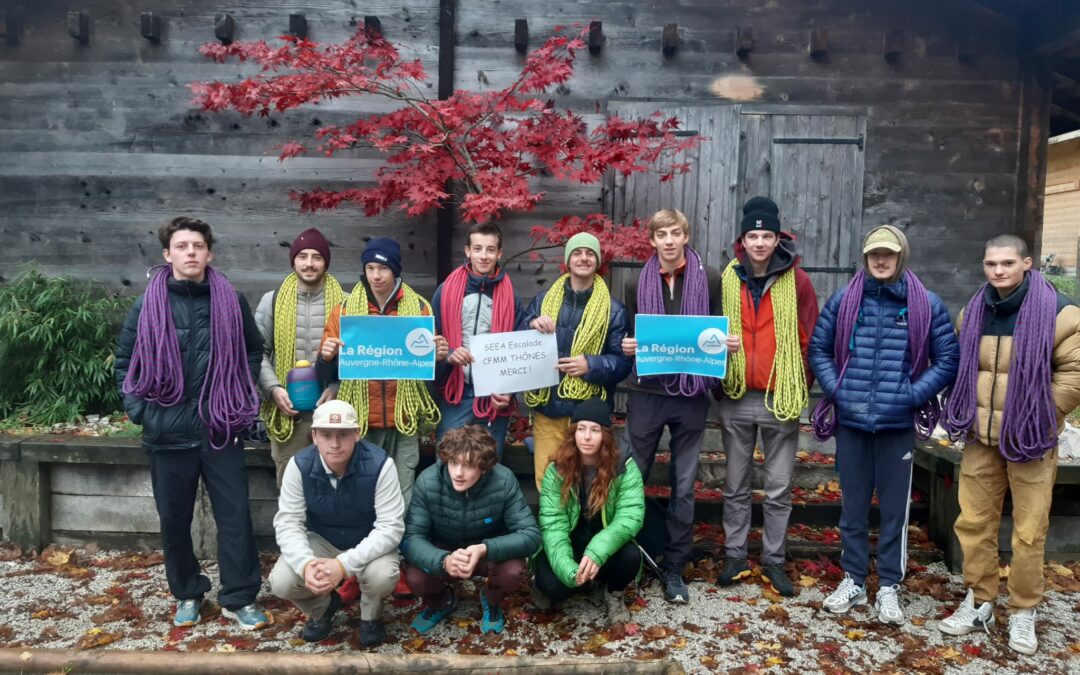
(371, 633)
(734, 570)
(967, 618)
(429, 617)
(249, 617)
(675, 589)
(777, 577)
(847, 595)
(492, 621)
(187, 613)
(539, 600)
(888, 605)
(616, 608)
(349, 591)
(318, 629)
(1022, 631)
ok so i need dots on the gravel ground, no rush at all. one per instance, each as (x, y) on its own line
(94, 599)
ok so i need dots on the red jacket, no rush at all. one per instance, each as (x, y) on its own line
(758, 331)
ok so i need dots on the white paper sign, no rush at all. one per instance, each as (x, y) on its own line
(506, 363)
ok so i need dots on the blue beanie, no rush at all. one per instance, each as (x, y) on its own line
(384, 251)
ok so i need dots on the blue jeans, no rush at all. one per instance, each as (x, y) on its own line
(456, 416)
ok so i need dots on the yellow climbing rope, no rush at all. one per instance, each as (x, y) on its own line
(280, 426)
(589, 337)
(787, 377)
(413, 402)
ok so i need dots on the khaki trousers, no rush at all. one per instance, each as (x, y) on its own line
(377, 580)
(984, 478)
(548, 435)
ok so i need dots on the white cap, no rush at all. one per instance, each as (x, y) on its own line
(335, 414)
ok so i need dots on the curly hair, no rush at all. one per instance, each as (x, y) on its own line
(174, 225)
(471, 445)
(567, 461)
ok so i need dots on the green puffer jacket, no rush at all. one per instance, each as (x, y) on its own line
(492, 512)
(622, 516)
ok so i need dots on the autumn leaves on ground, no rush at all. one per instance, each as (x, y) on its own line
(90, 599)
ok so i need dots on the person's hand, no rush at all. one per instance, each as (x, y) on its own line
(575, 366)
(500, 401)
(457, 563)
(317, 579)
(629, 346)
(460, 357)
(282, 401)
(329, 348)
(544, 324)
(329, 394)
(734, 344)
(442, 348)
(475, 553)
(586, 571)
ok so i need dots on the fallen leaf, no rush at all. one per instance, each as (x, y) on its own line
(96, 637)
(679, 644)
(708, 661)
(950, 653)
(918, 621)
(807, 582)
(774, 661)
(855, 634)
(1058, 568)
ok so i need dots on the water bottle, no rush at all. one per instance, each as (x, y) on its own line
(302, 383)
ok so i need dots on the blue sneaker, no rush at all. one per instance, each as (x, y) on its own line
(429, 617)
(249, 617)
(492, 621)
(187, 613)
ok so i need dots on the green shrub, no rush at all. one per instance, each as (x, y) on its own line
(1065, 283)
(57, 338)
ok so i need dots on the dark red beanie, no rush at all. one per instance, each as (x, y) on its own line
(310, 238)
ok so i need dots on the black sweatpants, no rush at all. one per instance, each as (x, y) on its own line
(175, 477)
(616, 573)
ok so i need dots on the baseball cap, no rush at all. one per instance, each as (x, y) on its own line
(882, 238)
(335, 414)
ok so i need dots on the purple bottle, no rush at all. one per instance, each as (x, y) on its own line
(302, 384)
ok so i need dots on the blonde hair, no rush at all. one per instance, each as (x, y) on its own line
(667, 218)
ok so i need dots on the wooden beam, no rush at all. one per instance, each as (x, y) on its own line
(373, 25)
(818, 43)
(1059, 111)
(596, 37)
(669, 42)
(79, 25)
(521, 35)
(11, 25)
(224, 28)
(1050, 31)
(150, 27)
(967, 47)
(446, 218)
(893, 44)
(744, 42)
(1031, 160)
(298, 27)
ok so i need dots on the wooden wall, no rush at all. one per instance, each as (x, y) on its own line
(98, 143)
(1061, 226)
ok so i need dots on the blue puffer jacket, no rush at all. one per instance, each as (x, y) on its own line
(606, 369)
(877, 391)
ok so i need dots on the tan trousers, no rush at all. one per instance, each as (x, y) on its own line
(281, 453)
(984, 478)
(548, 435)
(377, 580)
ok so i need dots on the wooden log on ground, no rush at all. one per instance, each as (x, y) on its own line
(238, 663)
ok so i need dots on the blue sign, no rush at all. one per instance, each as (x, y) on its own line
(695, 345)
(387, 348)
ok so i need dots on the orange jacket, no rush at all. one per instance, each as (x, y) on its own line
(759, 332)
(382, 394)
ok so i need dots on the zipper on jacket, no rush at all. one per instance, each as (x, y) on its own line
(877, 341)
(993, 388)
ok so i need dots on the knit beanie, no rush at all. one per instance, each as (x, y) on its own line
(592, 410)
(582, 240)
(760, 213)
(310, 238)
(385, 251)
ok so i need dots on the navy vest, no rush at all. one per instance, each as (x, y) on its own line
(342, 516)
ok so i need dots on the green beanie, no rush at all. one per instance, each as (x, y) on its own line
(582, 240)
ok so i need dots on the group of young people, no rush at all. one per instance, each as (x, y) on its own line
(354, 519)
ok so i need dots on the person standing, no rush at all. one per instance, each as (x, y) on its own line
(1019, 376)
(186, 364)
(589, 326)
(674, 281)
(291, 320)
(882, 350)
(477, 298)
(773, 308)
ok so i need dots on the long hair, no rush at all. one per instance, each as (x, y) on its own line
(567, 461)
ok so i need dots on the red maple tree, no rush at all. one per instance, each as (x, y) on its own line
(491, 144)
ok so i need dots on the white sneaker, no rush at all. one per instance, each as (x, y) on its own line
(1022, 631)
(967, 618)
(846, 596)
(888, 605)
